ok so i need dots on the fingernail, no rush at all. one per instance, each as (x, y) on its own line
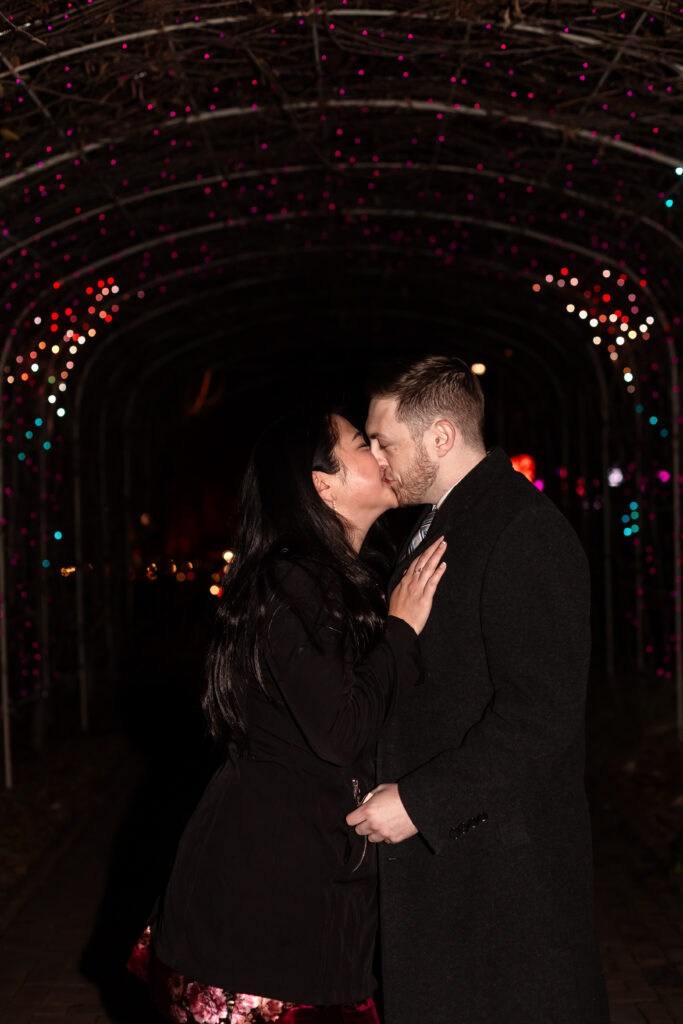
(442, 544)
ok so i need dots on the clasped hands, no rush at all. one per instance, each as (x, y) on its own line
(382, 817)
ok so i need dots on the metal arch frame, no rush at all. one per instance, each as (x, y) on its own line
(674, 396)
(352, 213)
(169, 357)
(516, 230)
(4, 660)
(291, 170)
(412, 214)
(368, 12)
(490, 225)
(311, 16)
(110, 341)
(607, 545)
(603, 79)
(411, 105)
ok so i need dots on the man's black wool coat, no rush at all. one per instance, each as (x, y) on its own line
(487, 914)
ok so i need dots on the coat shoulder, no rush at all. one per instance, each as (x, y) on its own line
(511, 507)
(304, 586)
(537, 543)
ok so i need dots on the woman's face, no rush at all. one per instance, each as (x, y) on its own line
(360, 491)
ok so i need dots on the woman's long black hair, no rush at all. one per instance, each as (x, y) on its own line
(283, 520)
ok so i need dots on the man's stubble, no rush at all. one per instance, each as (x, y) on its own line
(417, 479)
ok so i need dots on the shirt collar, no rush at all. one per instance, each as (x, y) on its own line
(443, 497)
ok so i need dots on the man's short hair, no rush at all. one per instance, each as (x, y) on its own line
(432, 387)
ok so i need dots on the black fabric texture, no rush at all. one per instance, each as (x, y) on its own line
(488, 912)
(271, 893)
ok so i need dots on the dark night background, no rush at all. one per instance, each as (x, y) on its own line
(210, 212)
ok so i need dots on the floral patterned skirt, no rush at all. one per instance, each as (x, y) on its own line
(184, 1001)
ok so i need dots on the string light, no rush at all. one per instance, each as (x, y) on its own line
(502, 192)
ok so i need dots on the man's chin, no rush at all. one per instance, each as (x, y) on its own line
(407, 500)
(403, 498)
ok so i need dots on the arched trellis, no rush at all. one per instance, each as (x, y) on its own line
(166, 357)
(589, 349)
(434, 98)
(506, 225)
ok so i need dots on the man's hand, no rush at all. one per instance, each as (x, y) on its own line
(382, 817)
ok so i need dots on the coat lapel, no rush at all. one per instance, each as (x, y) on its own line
(460, 498)
(404, 555)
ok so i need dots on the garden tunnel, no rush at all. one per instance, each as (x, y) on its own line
(210, 209)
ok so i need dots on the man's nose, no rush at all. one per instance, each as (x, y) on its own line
(377, 452)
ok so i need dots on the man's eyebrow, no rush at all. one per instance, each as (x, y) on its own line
(357, 434)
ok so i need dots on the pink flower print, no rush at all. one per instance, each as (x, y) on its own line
(242, 1010)
(207, 1005)
(271, 1009)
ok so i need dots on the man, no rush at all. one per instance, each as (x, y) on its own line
(485, 865)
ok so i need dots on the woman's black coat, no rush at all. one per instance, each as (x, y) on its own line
(271, 893)
(486, 915)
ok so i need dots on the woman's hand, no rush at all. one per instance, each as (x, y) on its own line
(411, 599)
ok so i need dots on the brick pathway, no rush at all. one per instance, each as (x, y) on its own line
(42, 979)
(640, 926)
(40, 951)
(43, 948)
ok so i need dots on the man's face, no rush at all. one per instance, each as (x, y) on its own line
(405, 462)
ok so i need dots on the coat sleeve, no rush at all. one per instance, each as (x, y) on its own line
(535, 605)
(339, 708)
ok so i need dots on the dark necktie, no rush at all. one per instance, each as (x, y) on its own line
(422, 530)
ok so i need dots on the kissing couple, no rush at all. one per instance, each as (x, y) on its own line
(415, 745)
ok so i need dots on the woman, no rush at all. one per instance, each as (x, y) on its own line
(271, 893)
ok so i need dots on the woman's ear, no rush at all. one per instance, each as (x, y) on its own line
(321, 484)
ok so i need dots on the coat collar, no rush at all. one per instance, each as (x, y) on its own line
(463, 496)
(478, 480)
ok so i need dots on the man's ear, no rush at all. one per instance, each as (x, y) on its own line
(444, 435)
